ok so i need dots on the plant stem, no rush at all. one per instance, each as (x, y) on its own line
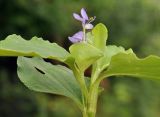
(90, 109)
(84, 112)
(89, 95)
(92, 100)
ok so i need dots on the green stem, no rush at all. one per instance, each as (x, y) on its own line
(85, 112)
(92, 100)
(89, 96)
(92, 96)
(90, 110)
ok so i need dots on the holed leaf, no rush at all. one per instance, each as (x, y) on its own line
(42, 76)
(15, 45)
(130, 65)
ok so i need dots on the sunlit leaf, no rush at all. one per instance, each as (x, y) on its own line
(84, 54)
(15, 45)
(109, 52)
(130, 65)
(100, 35)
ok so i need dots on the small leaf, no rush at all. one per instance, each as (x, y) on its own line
(130, 65)
(100, 35)
(15, 45)
(84, 54)
(41, 76)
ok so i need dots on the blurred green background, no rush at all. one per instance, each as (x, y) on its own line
(131, 23)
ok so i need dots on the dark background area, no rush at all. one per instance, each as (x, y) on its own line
(131, 23)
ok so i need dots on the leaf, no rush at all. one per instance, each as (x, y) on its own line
(84, 54)
(15, 45)
(42, 76)
(100, 35)
(130, 65)
(109, 52)
(89, 38)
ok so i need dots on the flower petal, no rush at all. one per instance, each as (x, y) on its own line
(77, 17)
(73, 40)
(88, 26)
(76, 37)
(84, 14)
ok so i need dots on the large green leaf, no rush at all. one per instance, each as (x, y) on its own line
(130, 65)
(42, 76)
(100, 35)
(15, 45)
(84, 54)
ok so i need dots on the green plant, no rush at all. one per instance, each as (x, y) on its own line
(89, 49)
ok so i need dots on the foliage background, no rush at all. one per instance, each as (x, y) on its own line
(131, 23)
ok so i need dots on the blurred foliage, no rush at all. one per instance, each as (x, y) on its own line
(131, 23)
(131, 98)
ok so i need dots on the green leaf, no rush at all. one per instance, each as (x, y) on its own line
(109, 52)
(42, 76)
(100, 35)
(84, 54)
(89, 38)
(130, 65)
(15, 45)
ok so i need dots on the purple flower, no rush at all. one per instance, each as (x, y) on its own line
(84, 19)
(86, 23)
(78, 37)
